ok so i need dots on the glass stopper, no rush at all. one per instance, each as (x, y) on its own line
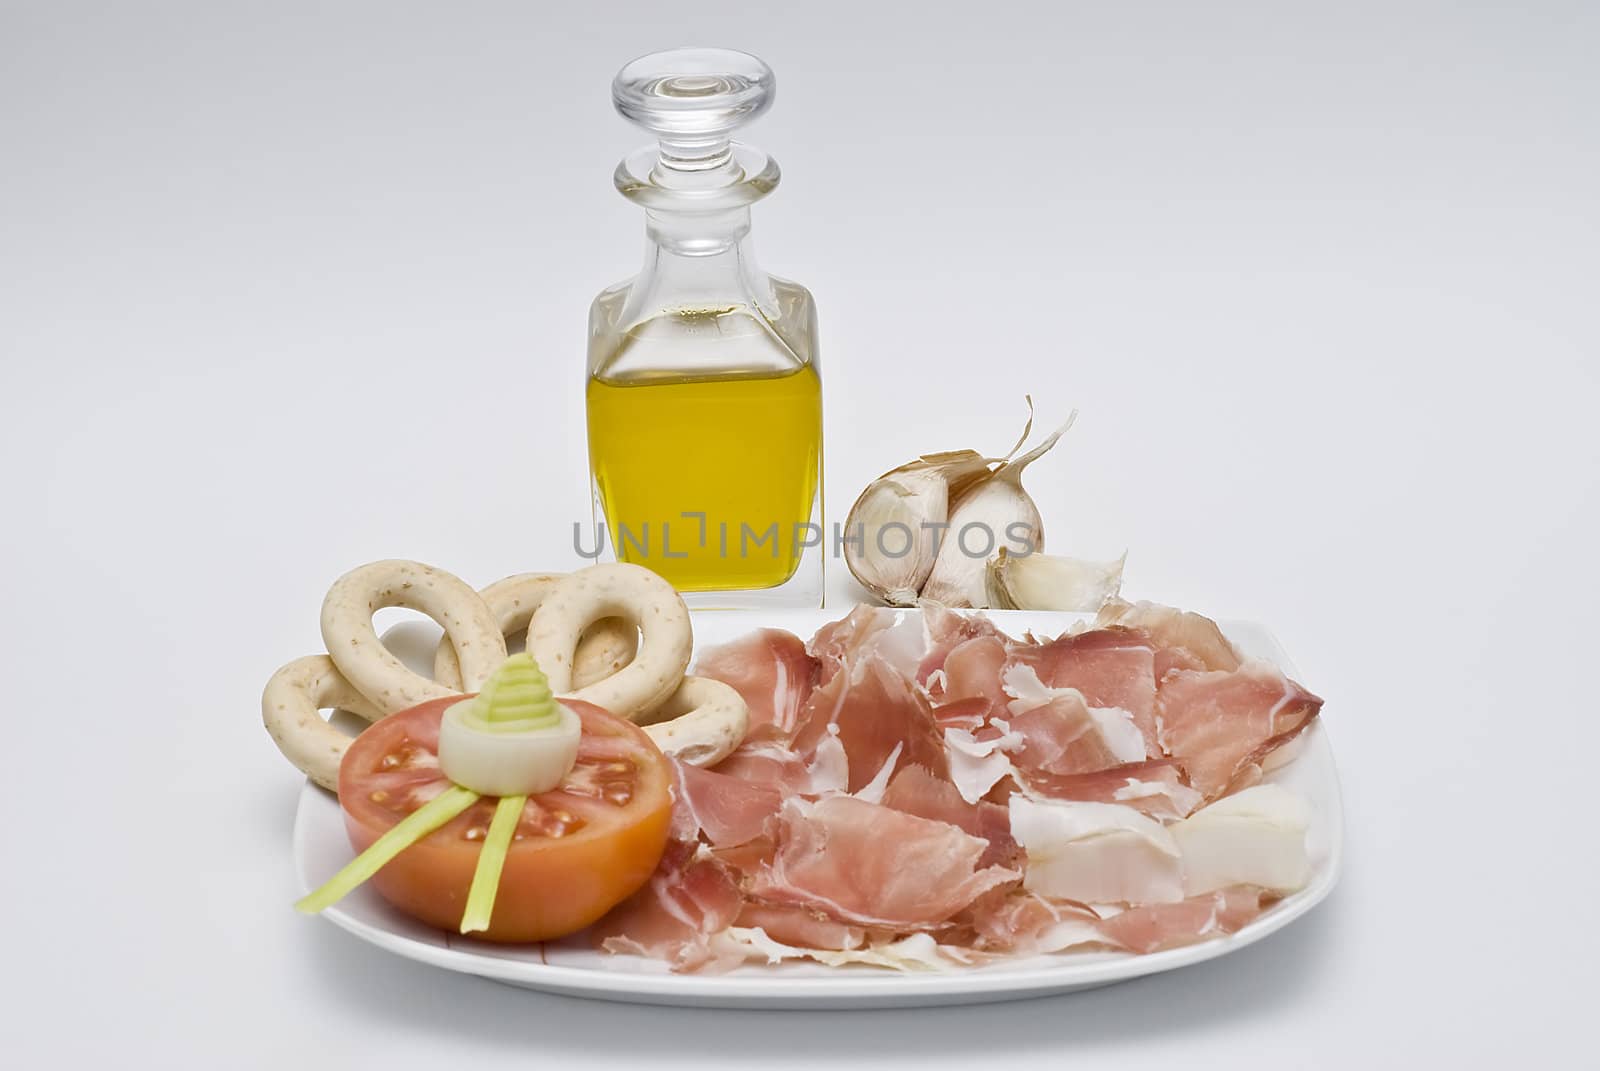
(692, 99)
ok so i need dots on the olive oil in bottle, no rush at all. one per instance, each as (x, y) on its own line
(704, 398)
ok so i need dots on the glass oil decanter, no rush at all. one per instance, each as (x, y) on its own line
(704, 400)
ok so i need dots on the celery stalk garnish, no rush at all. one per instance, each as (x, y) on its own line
(410, 829)
(491, 860)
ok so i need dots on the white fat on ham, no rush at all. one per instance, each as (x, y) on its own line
(873, 790)
(918, 952)
(976, 765)
(903, 644)
(829, 768)
(1096, 852)
(1254, 837)
(1115, 726)
(1182, 798)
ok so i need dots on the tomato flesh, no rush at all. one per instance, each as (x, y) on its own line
(579, 849)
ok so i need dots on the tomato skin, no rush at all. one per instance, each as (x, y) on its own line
(551, 885)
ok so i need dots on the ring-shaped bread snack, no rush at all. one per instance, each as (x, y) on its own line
(368, 665)
(582, 630)
(643, 600)
(292, 705)
(701, 723)
(606, 647)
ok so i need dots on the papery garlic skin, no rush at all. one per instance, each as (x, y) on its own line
(1050, 582)
(906, 508)
(1000, 513)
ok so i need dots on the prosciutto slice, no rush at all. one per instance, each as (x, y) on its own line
(687, 900)
(1064, 735)
(837, 643)
(972, 671)
(1221, 725)
(874, 866)
(1025, 923)
(728, 810)
(1158, 788)
(916, 791)
(771, 762)
(1153, 927)
(795, 924)
(948, 631)
(771, 670)
(882, 720)
(1187, 640)
(1109, 667)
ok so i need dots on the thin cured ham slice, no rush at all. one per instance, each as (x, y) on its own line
(771, 762)
(968, 714)
(1110, 667)
(916, 791)
(770, 669)
(728, 810)
(1025, 923)
(1153, 927)
(946, 631)
(1064, 735)
(881, 719)
(690, 898)
(1221, 725)
(748, 859)
(1157, 788)
(1187, 640)
(972, 671)
(874, 866)
(794, 924)
(837, 643)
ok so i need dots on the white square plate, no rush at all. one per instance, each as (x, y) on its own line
(571, 967)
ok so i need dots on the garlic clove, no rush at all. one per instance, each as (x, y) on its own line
(1051, 582)
(996, 513)
(893, 528)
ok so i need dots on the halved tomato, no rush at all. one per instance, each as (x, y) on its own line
(578, 851)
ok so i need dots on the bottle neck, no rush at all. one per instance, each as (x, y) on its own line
(698, 261)
(697, 234)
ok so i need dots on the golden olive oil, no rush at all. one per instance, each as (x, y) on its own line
(743, 450)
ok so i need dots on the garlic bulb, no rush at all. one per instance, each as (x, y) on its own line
(995, 512)
(1049, 582)
(905, 508)
(926, 529)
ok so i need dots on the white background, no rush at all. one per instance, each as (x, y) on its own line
(283, 290)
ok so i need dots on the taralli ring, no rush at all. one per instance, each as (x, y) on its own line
(701, 723)
(291, 707)
(605, 648)
(640, 598)
(369, 666)
(617, 636)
